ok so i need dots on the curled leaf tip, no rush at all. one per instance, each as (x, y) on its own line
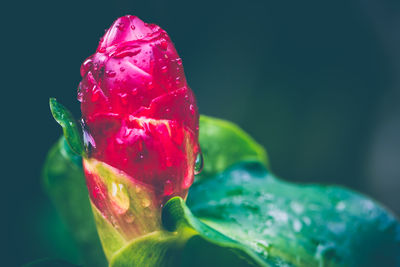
(70, 128)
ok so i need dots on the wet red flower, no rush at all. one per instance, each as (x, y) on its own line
(139, 114)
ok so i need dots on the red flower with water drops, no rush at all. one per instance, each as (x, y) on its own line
(138, 113)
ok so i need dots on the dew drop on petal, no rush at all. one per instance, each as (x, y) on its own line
(164, 44)
(80, 93)
(110, 73)
(192, 110)
(124, 98)
(120, 26)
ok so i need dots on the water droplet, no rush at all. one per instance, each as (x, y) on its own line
(96, 93)
(179, 61)
(119, 198)
(192, 109)
(297, 225)
(199, 163)
(296, 207)
(120, 26)
(80, 93)
(164, 69)
(168, 188)
(110, 73)
(150, 85)
(167, 110)
(86, 66)
(140, 156)
(124, 98)
(129, 218)
(133, 27)
(146, 202)
(164, 44)
(306, 220)
(177, 80)
(262, 247)
(122, 69)
(340, 206)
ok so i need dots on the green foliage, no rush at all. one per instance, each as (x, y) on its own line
(70, 128)
(64, 181)
(304, 225)
(130, 198)
(224, 144)
(240, 216)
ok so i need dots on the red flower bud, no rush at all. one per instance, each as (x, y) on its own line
(139, 114)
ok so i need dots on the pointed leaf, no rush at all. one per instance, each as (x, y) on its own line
(70, 128)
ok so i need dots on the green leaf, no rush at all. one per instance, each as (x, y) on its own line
(189, 243)
(224, 144)
(70, 128)
(64, 181)
(303, 225)
(49, 263)
(245, 216)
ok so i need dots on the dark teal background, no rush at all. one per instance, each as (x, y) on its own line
(315, 82)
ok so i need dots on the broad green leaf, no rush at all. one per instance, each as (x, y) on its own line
(70, 128)
(64, 181)
(50, 263)
(303, 225)
(224, 144)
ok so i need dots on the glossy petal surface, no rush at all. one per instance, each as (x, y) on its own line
(139, 115)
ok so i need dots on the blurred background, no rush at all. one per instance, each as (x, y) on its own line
(316, 82)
